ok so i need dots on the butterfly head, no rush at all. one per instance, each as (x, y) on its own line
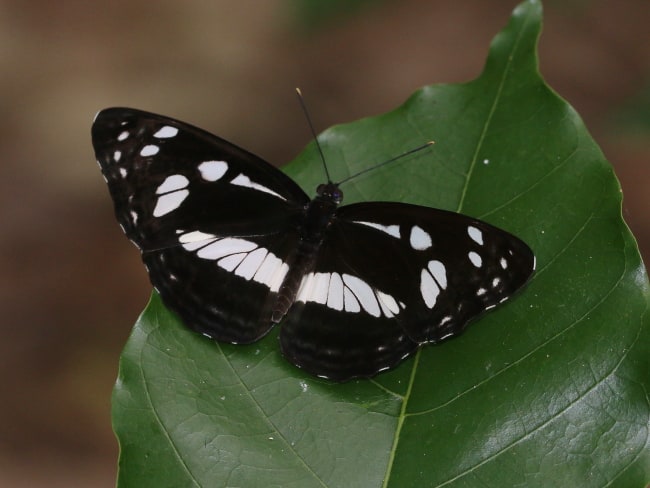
(331, 192)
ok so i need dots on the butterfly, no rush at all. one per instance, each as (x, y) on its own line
(234, 246)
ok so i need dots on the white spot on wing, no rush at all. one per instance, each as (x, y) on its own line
(278, 277)
(229, 263)
(123, 172)
(304, 290)
(195, 236)
(320, 288)
(251, 264)
(123, 135)
(149, 150)
(475, 259)
(166, 132)
(439, 273)
(391, 230)
(117, 155)
(388, 304)
(504, 263)
(264, 273)
(169, 202)
(198, 243)
(335, 292)
(345, 292)
(245, 181)
(212, 170)
(475, 234)
(420, 239)
(224, 247)
(271, 272)
(172, 183)
(350, 301)
(363, 293)
(428, 289)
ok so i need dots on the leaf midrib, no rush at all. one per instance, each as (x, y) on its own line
(479, 145)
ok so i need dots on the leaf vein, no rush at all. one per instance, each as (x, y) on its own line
(580, 397)
(156, 415)
(267, 419)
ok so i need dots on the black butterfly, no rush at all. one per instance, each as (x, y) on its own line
(234, 246)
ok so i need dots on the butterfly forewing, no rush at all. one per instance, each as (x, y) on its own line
(232, 245)
(165, 175)
(446, 267)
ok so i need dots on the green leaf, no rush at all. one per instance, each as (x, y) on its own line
(550, 389)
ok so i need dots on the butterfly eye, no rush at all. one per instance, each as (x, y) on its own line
(330, 191)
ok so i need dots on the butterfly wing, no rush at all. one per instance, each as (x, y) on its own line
(212, 221)
(392, 276)
(217, 227)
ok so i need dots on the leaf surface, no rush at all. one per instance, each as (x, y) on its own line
(550, 389)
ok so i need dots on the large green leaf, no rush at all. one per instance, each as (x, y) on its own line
(550, 389)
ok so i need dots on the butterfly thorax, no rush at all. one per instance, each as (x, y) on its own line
(319, 213)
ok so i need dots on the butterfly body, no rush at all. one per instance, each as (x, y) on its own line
(311, 231)
(234, 246)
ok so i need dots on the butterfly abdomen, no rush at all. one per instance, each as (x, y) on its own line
(303, 261)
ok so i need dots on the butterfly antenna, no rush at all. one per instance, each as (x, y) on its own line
(313, 133)
(400, 156)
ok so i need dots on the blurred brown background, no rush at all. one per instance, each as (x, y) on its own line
(72, 285)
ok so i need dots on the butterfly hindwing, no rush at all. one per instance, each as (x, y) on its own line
(420, 276)
(224, 288)
(204, 213)
(343, 324)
